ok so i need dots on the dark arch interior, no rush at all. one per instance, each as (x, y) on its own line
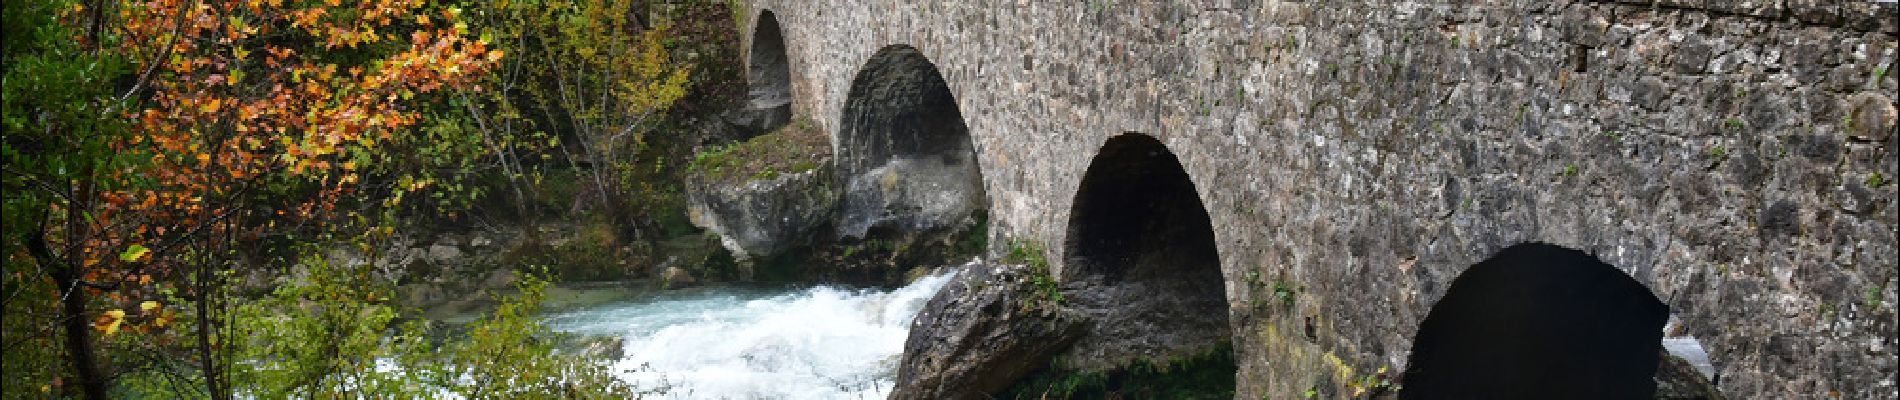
(904, 152)
(769, 82)
(1142, 247)
(1137, 217)
(768, 103)
(1539, 321)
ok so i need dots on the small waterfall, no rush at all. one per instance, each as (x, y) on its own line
(722, 343)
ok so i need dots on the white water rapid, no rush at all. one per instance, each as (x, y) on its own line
(721, 343)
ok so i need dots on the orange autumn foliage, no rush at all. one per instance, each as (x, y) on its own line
(255, 114)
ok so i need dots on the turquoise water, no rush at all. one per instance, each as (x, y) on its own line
(820, 342)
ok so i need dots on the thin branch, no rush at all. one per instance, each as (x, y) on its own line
(178, 20)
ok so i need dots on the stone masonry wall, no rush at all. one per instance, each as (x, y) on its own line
(1735, 157)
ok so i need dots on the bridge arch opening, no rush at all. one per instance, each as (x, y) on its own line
(769, 74)
(1140, 258)
(904, 154)
(768, 79)
(1538, 321)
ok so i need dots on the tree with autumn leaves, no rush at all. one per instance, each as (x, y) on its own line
(154, 150)
(152, 145)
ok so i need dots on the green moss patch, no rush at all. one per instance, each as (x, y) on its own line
(795, 148)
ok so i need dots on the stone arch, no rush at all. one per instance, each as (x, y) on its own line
(904, 155)
(1538, 321)
(768, 78)
(1140, 257)
(768, 69)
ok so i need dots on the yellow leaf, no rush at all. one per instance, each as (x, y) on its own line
(133, 253)
(148, 306)
(109, 321)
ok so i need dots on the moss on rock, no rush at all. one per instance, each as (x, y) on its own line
(794, 148)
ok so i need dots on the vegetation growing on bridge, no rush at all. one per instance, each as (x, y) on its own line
(1029, 253)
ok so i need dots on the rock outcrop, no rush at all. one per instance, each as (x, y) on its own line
(777, 202)
(765, 195)
(910, 195)
(982, 333)
(763, 217)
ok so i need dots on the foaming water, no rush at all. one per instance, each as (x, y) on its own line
(726, 343)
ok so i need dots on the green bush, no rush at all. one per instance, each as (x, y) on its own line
(322, 335)
(333, 333)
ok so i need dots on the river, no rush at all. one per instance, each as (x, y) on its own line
(820, 342)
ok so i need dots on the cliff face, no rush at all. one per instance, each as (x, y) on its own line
(1734, 158)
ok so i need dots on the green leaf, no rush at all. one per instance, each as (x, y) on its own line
(133, 253)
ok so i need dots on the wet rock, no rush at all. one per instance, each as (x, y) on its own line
(676, 277)
(981, 334)
(602, 347)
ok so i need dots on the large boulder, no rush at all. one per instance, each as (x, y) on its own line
(927, 194)
(765, 195)
(982, 333)
(762, 217)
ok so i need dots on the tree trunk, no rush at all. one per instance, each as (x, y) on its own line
(208, 356)
(72, 318)
(79, 338)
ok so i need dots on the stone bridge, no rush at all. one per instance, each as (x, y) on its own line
(1353, 158)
